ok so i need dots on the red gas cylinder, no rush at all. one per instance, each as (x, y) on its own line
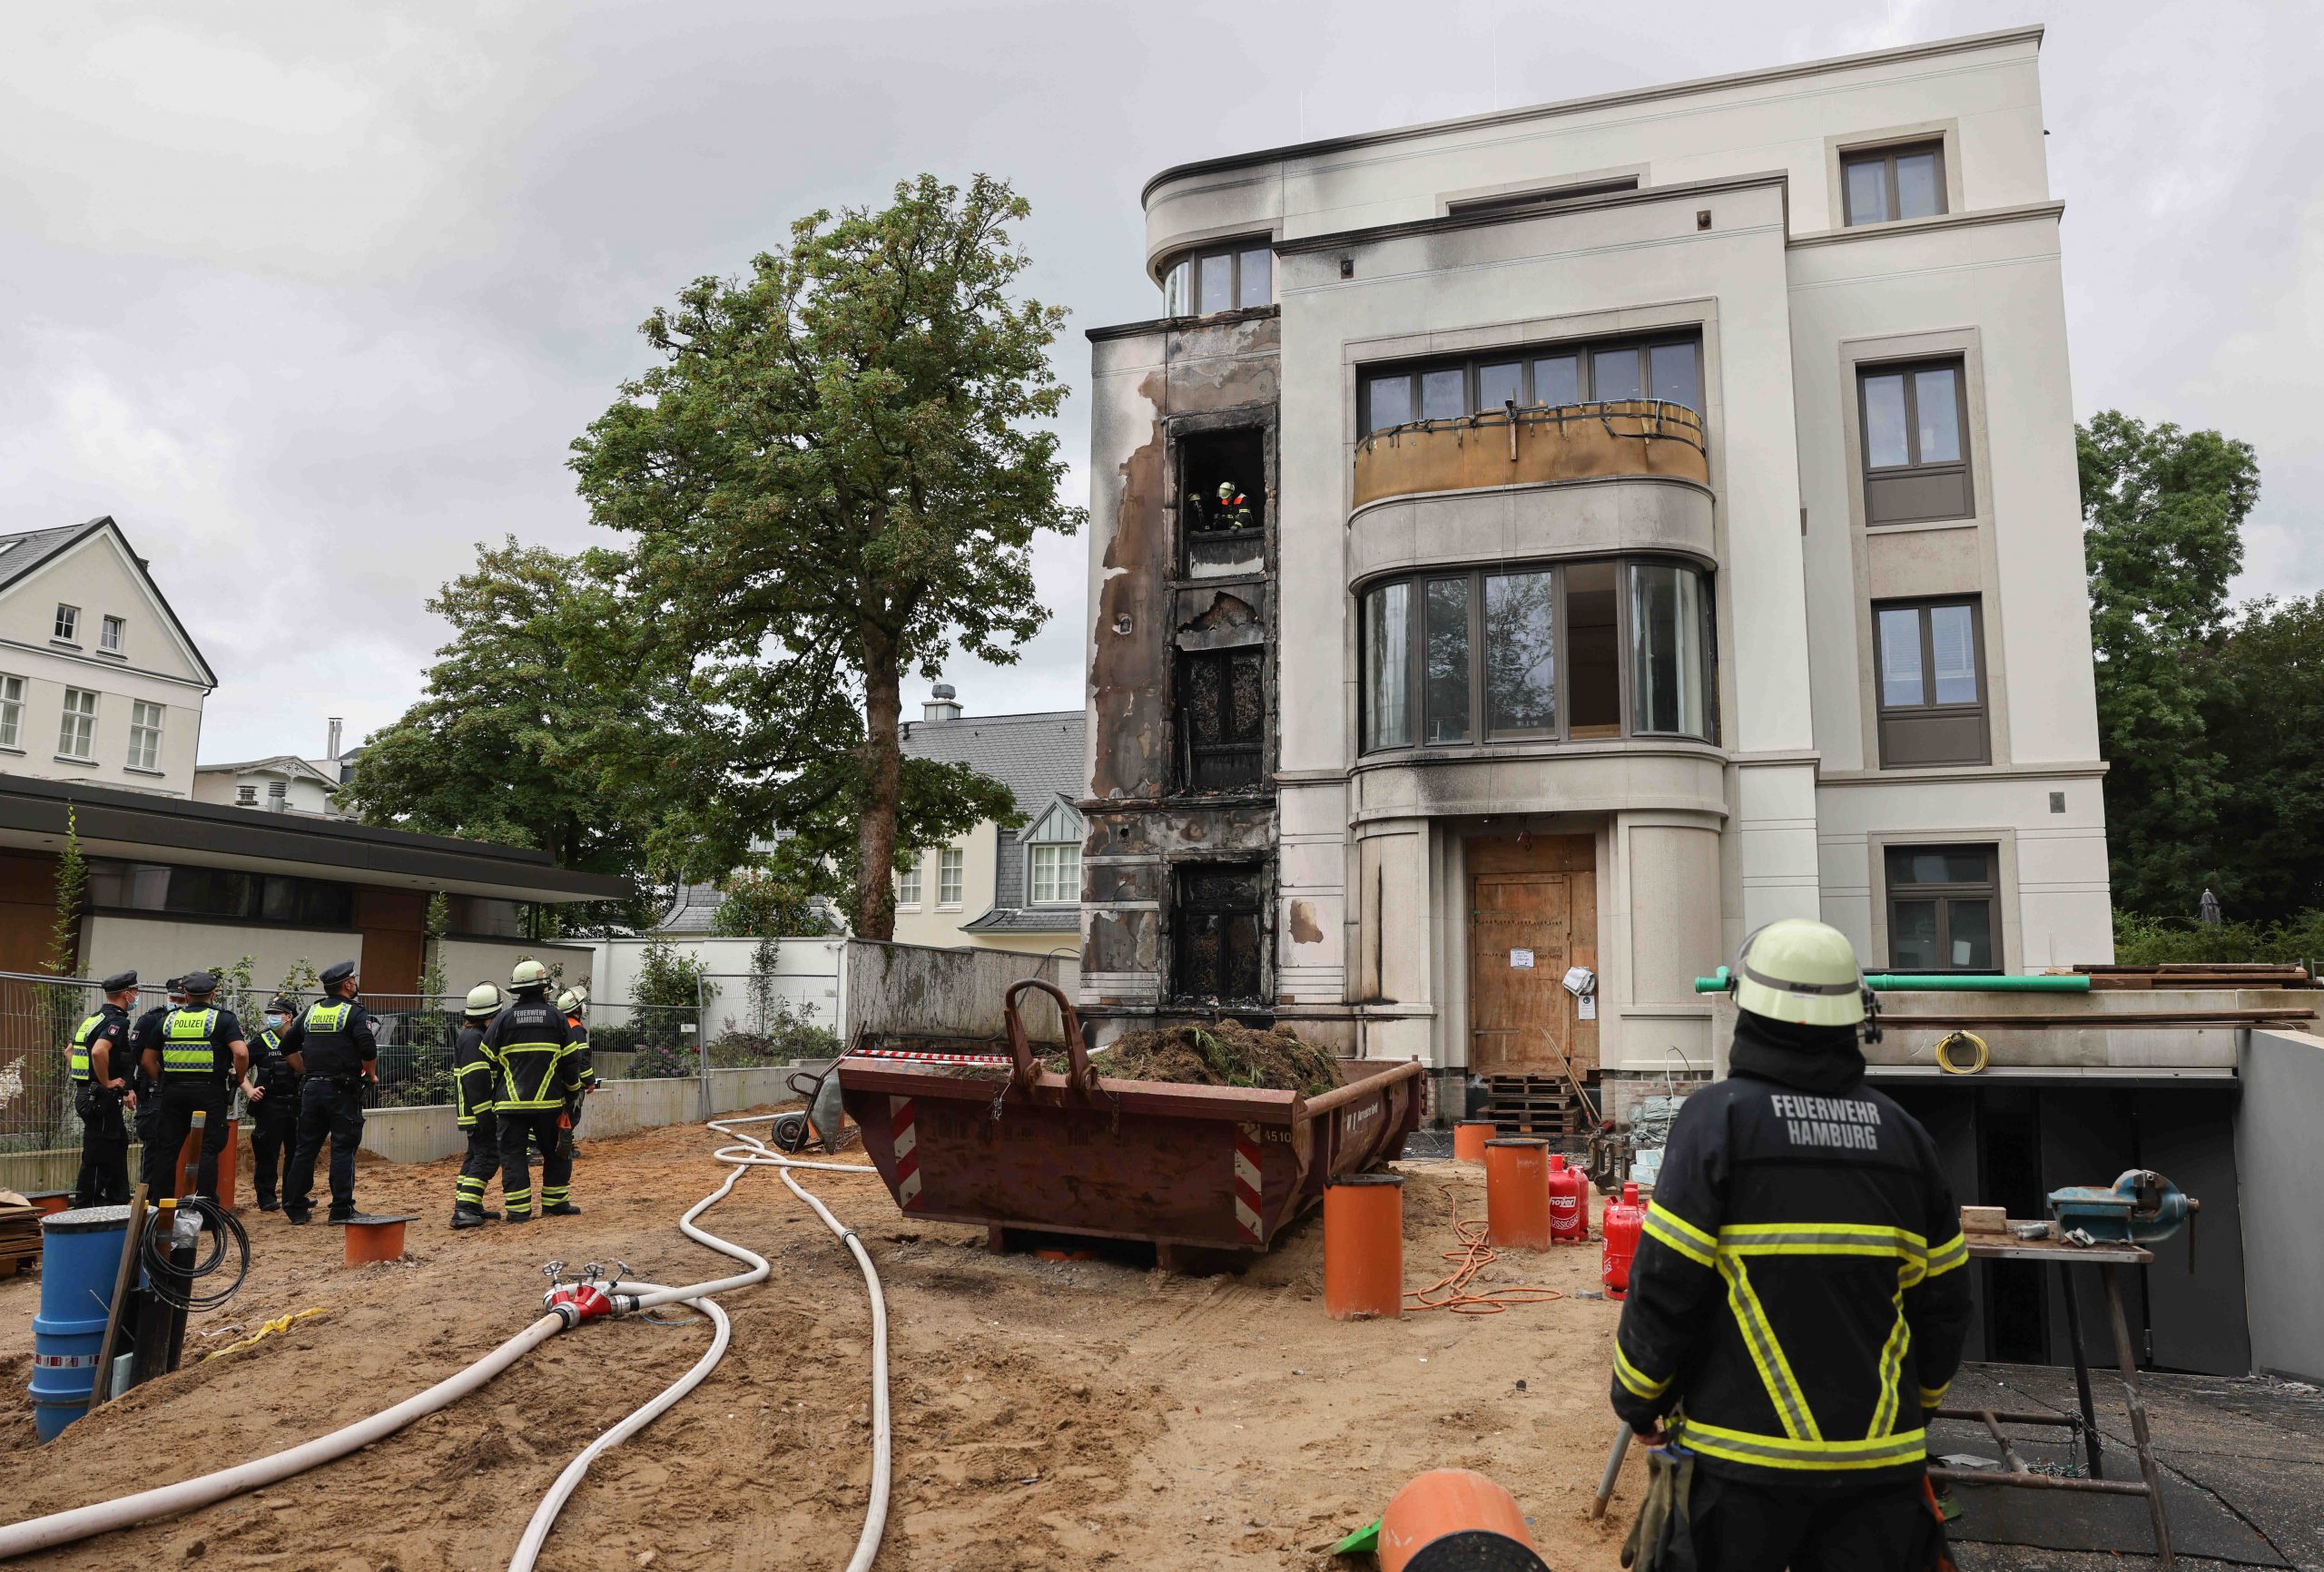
(1569, 1202)
(1621, 1223)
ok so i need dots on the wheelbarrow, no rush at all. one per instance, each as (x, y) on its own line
(820, 1120)
(1014, 1145)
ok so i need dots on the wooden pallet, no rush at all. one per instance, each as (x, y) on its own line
(1535, 1106)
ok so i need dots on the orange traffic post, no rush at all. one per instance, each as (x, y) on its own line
(1363, 1247)
(1450, 1518)
(370, 1239)
(190, 1165)
(1517, 1192)
(1468, 1138)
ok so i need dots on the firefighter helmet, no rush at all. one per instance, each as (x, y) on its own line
(1800, 971)
(484, 999)
(529, 973)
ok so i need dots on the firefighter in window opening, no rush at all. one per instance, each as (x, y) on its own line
(1231, 511)
(476, 1083)
(534, 1043)
(335, 1046)
(271, 1092)
(146, 1033)
(100, 1063)
(193, 1059)
(1798, 1304)
(572, 1004)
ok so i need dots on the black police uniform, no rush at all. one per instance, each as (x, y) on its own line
(476, 1087)
(1798, 1299)
(334, 1040)
(274, 1117)
(195, 1041)
(103, 1179)
(145, 1034)
(534, 1043)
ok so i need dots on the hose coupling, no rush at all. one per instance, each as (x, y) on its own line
(578, 1302)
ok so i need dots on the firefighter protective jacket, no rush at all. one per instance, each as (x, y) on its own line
(1798, 1295)
(476, 1077)
(534, 1044)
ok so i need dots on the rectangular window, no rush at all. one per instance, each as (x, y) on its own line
(1670, 658)
(1222, 491)
(1222, 717)
(1895, 182)
(1931, 683)
(144, 735)
(1056, 875)
(109, 634)
(1670, 369)
(1916, 457)
(908, 879)
(1445, 661)
(1220, 927)
(76, 735)
(68, 622)
(1255, 278)
(1593, 651)
(1520, 655)
(220, 892)
(11, 711)
(1239, 278)
(1213, 282)
(948, 876)
(1941, 909)
(1387, 672)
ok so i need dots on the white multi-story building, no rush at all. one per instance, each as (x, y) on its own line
(99, 681)
(1550, 544)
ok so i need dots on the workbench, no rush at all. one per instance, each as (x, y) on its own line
(2107, 1258)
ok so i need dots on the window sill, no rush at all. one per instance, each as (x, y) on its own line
(63, 644)
(949, 906)
(68, 759)
(111, 654)
(141, 769)
(6, 748)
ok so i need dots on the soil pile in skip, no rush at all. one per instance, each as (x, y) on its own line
(1223, 1053)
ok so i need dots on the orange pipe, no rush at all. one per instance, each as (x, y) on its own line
(190, 1164)
(1363, 1247)
(380, 1240)
(1468, 1138)
(1517, 1192)
(1454, 1517)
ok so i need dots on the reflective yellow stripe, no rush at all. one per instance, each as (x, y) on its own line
(77, 1062)
(1635, 1379)
(1944, 1257)
(1892, 1370)
(1932, 1397)
(1766, 1353)
(185, 1041)
(1671, 1229)
(328, 1018)
(1785, 1452)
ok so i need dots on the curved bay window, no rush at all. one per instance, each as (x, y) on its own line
(1563, 652)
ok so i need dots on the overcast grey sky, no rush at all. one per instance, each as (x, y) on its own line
(312, 297)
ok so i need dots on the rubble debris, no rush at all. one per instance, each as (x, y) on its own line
(1221, 1053)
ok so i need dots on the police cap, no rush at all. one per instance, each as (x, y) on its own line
(200, 982)
(118, 983)
(335, 975)
(280, 1005)
(176, 985)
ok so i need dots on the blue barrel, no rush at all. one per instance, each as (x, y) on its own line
(79, 1256)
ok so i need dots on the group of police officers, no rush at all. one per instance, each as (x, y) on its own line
(521, 1071)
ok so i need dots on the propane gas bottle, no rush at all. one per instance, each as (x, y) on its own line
(1621, 1223)
(1569, 1204)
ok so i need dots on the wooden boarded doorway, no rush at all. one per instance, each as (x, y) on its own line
(1533, 913)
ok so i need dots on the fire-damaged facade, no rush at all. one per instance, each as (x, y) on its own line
(1529, 551)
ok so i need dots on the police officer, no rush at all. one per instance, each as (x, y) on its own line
(271, 1090)
(101, 1063)
(1798, 1303)
(146, 1033)
(334, 1045)
(195, 1057)
(476, 1077)
(571, 1004)
(534, 1044)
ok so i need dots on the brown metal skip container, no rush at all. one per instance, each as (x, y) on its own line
(1195, 1168)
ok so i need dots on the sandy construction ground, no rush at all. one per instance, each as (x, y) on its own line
(1048, 1414)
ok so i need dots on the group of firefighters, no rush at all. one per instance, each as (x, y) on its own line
(520, 1070)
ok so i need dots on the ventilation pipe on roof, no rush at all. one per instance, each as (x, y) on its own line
(942, 705)
(331, 751)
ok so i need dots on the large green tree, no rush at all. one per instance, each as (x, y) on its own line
(532, 724)
(2162, 513)
(2263, 713)
(831, 479)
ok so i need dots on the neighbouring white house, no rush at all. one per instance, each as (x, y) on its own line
(284, 783)
(99, 681)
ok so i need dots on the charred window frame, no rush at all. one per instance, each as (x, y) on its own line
(1914, 418)
(1942, 908)
(1221, 531)
(1931, 675)
(1218, 941)
(1222, 718)
(1668, 366)
(1233, 276)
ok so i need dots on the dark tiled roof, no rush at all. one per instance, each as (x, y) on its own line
(25, 550)
(1029, 920)
(692, 911)
(1036, 756)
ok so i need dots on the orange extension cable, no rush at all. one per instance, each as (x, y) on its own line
(1450, 1292)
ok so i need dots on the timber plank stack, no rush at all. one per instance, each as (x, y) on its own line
(1542, 1105)
(19, 1233)
(2223, 974)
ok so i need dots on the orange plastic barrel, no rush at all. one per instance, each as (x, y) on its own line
(1453, 1518)
(1468, 1138)
(370, 1239)
(1517, 1192)
(1363, 1247)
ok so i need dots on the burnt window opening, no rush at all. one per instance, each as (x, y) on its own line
(1220, 931)
(1222, 717)
(1222, 482)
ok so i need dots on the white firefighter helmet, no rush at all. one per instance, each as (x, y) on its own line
(484, 999)
(1800, 971)
(528, 974)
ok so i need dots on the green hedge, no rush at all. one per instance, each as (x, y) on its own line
(2179, 941)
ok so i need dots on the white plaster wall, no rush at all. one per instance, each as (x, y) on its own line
(159, 949)
(469, 961)
(927, 920)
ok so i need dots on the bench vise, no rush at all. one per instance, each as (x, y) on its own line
(2142, 1207)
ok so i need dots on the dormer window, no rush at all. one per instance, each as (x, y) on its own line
(1231, 278)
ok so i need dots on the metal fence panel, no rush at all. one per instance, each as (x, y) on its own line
(37, 1016)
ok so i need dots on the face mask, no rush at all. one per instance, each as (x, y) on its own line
(278, 1022)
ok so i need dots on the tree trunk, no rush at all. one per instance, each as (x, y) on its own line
(875, 845)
